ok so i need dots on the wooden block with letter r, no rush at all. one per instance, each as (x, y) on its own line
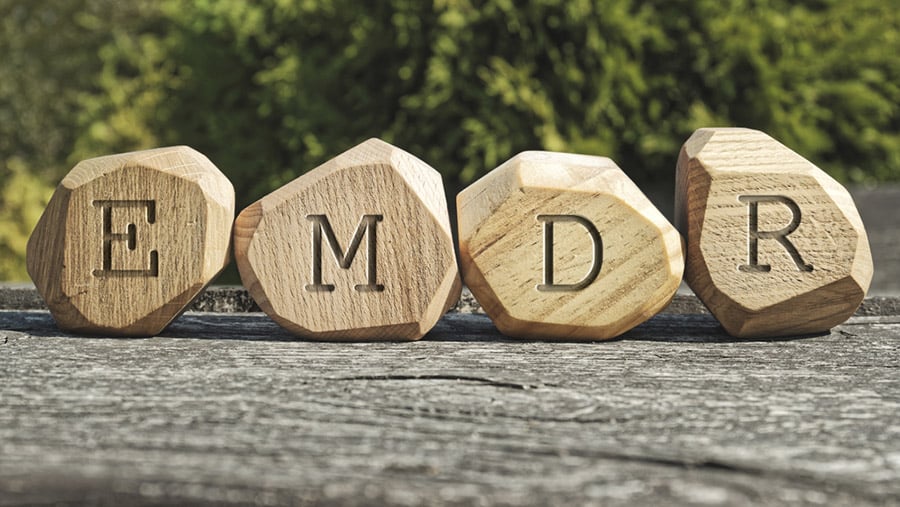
(775, 246)
(359, 248)
(127, 241)
(565, 246)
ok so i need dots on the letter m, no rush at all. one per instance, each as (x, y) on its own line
(366, 227)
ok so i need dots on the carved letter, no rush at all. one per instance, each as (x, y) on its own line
(754, 234)
(597, 261)
(129, 237)
(366, 228)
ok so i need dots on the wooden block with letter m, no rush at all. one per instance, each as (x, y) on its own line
(128, 240)
(775, 246)
(359, 248)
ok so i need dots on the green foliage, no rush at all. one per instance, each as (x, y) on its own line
(271, 88)
(48, 64)
(22, 200)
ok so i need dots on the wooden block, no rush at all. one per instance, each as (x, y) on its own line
(127, 241)
(359, 248)
(775, 246)
(555, 245)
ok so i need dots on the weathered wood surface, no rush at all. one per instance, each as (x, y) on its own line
(880, 213)
(230, 409)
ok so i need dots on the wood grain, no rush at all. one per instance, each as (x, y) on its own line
(412, 258)
(232, 409)
(128, 240)
(504, 248)
(721, 172)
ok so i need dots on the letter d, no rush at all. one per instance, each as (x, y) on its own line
(597, 260)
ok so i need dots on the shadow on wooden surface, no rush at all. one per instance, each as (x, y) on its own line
(453, 327)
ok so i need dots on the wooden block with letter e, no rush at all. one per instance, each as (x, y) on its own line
(774, 245)
(127, 241)
(564, 246)
(359, 248)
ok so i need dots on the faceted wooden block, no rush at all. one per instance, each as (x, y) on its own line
(774, 245)
(359, 248)
(128, 240)
(556, 245)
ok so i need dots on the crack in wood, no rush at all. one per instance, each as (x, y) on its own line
(458, 378)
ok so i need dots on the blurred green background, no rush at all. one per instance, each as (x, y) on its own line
(270, 89)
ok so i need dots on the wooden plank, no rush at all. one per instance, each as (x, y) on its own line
(879, 211)
(230, 409)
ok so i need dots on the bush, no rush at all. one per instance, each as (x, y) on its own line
(48, 65)
(269, 89)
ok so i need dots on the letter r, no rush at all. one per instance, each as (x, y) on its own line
(781, 236)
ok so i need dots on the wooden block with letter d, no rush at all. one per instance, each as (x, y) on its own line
(127, 241)
(564, 246)
(359, 248)
(774, 245)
